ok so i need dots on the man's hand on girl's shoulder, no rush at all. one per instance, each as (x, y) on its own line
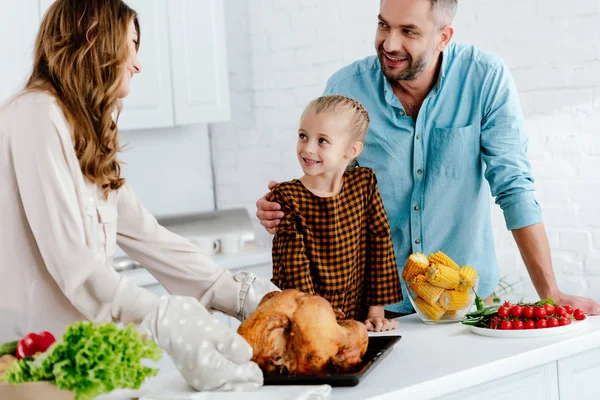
(269, 213)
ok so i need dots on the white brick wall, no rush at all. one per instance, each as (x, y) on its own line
(282, 52)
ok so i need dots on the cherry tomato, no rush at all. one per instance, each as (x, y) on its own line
(564, 321)
(540, 312)
(530, 324)
(579, 314)
(516, 311)
(495, 323)
(506, 325)
(528, 312)
(518, 324)
(503, 312)
(552, 322)
(560, 311)
(507, 304)
(569, 309)
(541, 323)
(549, 309)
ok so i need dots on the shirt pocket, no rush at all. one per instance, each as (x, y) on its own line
(453, 151)
(107, 219)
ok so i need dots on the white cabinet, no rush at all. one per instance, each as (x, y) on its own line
(199, 61)
(577, 376)
(184, 78)
(150, 100)
(539, 383)
(19, 20)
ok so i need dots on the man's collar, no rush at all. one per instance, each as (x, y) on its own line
(442, 72)
(388, 91)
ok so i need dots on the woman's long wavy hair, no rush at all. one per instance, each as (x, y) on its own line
(80, 55)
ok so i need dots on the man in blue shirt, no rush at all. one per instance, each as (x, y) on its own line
(446, 129)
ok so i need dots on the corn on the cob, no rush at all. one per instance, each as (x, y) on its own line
(433, 312)
(431, 294)
(450, 313)
(419, 279)
(467, 276)
(442, 276)
(416, 264)
(441, 258)
(453, 300)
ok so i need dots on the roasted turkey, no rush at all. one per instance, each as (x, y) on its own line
(296, 333)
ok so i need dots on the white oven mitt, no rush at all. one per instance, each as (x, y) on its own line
(207, 353)
(253, 289)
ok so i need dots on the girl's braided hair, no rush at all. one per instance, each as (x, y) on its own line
(359, 117)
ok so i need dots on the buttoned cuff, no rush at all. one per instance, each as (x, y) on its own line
(523, 213)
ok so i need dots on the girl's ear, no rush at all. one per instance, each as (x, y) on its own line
(355, 150)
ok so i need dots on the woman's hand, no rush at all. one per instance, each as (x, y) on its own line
(267, 212)
(253, 291)
(376, 321)
(208, 354)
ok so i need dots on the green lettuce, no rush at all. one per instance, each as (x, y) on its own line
(90, 360)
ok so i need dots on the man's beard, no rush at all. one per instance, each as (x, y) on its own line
(414, 69)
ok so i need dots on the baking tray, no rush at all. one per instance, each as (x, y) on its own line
(377, 349)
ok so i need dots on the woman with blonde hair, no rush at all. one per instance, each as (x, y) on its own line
(64, 206)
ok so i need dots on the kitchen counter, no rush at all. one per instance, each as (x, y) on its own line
(233, 262)
(450, 362)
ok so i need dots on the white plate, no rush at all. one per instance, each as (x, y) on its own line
(529, 333)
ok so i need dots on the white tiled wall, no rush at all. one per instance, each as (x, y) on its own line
(282, 52)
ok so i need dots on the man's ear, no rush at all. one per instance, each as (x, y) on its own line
(355, 150)
(446, 33)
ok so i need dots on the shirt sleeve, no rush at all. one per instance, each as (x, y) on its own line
(382, 271)
(174, 261)
(46, 170)
(291, 266)
(504, 146)
(329, 87)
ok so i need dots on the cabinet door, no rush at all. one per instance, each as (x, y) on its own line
(539, 383)
(577, 376)
(149, 103)
(19, 23)
(199, 64)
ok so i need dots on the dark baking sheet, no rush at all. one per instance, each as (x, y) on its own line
(377, 349)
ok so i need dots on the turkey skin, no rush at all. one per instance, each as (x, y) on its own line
(295, 333)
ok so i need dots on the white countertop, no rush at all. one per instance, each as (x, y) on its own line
(431, 361)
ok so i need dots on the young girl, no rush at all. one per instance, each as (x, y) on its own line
(334, 239)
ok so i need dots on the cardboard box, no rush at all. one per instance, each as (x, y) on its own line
(33, 391)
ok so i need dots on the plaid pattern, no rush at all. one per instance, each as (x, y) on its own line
(337, 247)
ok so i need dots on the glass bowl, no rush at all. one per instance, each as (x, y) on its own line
(439, 305)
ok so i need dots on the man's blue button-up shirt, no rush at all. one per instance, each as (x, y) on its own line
(435, 175)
